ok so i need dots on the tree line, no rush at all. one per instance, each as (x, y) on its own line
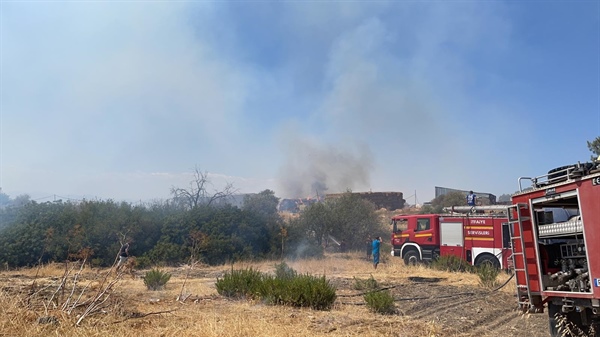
(194, 224)
(173, 232)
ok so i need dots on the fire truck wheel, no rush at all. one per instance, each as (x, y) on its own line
(577, 320)
(572, 320)
(487, 259)
(411, 258)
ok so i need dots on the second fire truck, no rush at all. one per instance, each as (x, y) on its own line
(474, 237)
(557, 261)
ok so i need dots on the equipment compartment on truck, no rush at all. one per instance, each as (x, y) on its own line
(555, 238)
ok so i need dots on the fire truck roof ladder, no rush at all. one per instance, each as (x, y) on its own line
(518, 237)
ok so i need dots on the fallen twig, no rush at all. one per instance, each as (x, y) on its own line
(145, 315)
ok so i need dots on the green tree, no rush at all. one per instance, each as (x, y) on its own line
(453, 199)
(234, 235)
(300, 242)
(594, 147)
(8, 214)
(316, 220)
(263, 204)
(262, 208)
(59, 230)
(347, 218)
(161, 232)
(430, 209)
(4, 198)
(18, 201)
(354, 220)
(21, 200)
(445, 200)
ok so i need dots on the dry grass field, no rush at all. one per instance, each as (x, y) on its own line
(429, 303)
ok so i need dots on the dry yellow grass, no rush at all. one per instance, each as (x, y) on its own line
(134, 311)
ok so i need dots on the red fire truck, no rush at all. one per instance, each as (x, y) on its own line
(476, 238)
(557, 261)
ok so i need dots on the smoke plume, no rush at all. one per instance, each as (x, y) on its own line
(313, 169)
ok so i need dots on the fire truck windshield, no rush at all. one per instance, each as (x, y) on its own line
(399, 225)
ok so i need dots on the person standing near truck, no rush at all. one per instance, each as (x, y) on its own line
(471, 199)
(376, 245)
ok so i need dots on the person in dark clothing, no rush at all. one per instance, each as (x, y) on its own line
(369, 247)
(123, 255)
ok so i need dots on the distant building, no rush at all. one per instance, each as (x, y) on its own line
(483, 198)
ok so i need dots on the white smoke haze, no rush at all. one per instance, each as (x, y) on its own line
(122, 99)
(312, 168)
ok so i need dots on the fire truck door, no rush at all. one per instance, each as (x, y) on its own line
(451, 239)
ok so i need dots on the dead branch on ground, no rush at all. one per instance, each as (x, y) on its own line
(145, 315)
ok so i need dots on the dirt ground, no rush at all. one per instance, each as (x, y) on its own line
(443, 304)
(466, 310)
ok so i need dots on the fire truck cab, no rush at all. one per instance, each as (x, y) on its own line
(475, 238)
(556, 254)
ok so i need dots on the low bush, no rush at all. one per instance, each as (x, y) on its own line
(240, 283)
(144, 262)
(286, 288)
(156, 279)
(488, 275)
(283, 271)
(300, 291)
(451, 263)
(368, 284)
(381, 302)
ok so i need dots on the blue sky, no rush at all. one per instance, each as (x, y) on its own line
(122, 100)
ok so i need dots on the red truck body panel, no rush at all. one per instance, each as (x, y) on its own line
(466, 236)
(573, 241)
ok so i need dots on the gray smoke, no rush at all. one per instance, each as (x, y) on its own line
(311, 168)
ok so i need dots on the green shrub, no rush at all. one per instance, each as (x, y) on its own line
(310, 291)
(368, 284)
(156, 279)
(240, 283)
(451, 263)
(286, 288)
(381, 302)
(283, 271)
(144, 262)
(96, 262)
(299, 291)
(487, 275)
